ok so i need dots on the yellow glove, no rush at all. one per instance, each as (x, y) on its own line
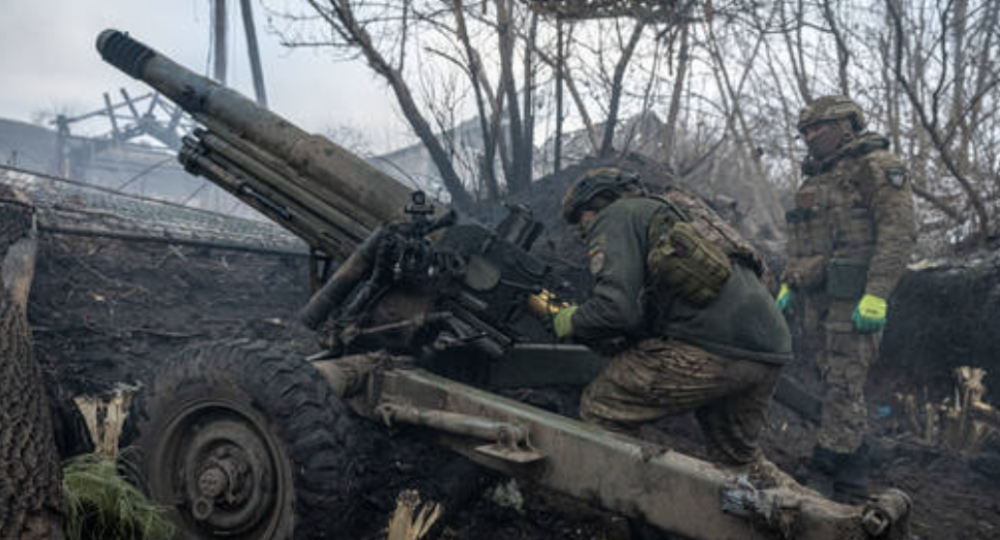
(869, 315)
(785, 299)
(563, 322)
(544, 304)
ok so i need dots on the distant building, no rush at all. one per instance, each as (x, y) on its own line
(148, 170)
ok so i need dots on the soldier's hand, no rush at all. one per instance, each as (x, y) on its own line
(785, 300)
(563, 322)
(869, 315)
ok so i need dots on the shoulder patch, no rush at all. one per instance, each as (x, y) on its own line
(896, 177)
(596, 262)
(596, 252)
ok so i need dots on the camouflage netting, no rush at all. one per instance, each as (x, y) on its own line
(71, 207)
(122, 282)
(658, 10)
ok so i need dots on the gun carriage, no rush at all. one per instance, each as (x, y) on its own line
(424, 316)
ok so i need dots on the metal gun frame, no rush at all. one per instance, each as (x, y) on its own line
(668, 489)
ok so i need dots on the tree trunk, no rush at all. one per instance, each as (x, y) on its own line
(561, 67)
(683, 59)
(790, 121)
(528, 118)
(733, 107)
(843, 53)
(957, 114)
(508, 86)
(984, 68)
(617, 87)
(31, 500)
(560, 58)
(478, 80)
(795, 53)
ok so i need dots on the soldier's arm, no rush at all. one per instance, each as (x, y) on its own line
(895, 231)
(618, 264)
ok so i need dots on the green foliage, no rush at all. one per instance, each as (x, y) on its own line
(102, 505)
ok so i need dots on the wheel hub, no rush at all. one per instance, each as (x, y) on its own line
(224, 478)
(223, 472)
(212, 482)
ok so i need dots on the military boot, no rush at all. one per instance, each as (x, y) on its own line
(822, 467)
(850, 481)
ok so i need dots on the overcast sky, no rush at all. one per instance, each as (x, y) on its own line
(48, 62)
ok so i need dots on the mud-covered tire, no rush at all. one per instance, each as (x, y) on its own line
(238, 439)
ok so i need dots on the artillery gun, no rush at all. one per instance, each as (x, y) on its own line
(424, 318)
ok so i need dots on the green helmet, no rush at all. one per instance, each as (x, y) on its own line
(610, 182)
(830, 109)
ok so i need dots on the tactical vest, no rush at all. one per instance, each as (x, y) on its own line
(832, 219)
(739, 319)
(691, 249)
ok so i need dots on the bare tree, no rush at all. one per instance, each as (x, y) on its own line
(731, 94)
(566, 73)
(843, 53)
(673, 110)
(617, 79)
(794, 46)
(738, 73)
(380, 34)
(521, 121)
(489, 113)
(929, 116)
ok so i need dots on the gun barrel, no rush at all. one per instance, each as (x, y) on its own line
(351, 196)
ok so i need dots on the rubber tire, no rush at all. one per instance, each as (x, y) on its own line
(284, 395)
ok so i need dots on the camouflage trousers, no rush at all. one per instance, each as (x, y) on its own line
(842, 358)
(659, 377)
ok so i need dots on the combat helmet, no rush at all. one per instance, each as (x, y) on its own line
(832, 108)
(610, 182)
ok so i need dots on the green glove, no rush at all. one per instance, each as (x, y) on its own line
(785, 300)
(869, 314)
(563, 322)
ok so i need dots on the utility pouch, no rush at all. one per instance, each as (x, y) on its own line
(846, 279)
(683, 263)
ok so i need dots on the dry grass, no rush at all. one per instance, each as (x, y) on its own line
(102, 505)
(412, 519)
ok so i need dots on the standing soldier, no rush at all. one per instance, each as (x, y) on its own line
(851, 234)
(678, 296)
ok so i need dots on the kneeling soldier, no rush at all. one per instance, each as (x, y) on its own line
(679, 296)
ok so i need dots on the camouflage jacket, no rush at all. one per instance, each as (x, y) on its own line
(742, 322)
(854, 210)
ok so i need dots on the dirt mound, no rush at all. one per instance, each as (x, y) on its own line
(559, 247)
(557, 244)
(941, 318)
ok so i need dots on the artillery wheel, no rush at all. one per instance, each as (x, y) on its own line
(239, 440)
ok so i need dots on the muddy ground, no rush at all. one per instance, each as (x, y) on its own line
(105, 311)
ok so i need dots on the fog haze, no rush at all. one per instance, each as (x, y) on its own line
(48, 63)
